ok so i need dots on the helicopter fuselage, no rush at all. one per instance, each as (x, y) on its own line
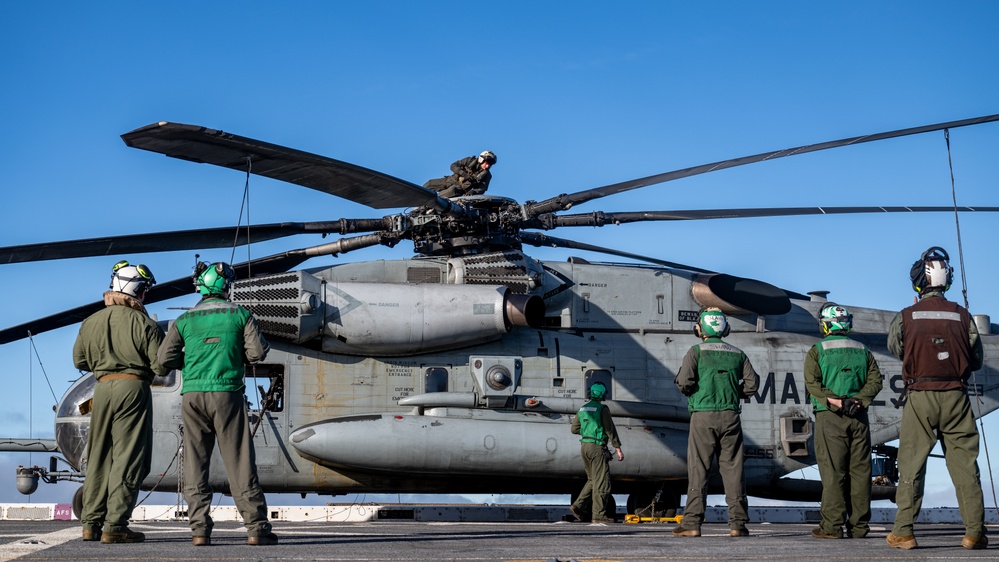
(345, 403)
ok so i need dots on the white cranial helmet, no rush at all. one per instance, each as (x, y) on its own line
(132, 280)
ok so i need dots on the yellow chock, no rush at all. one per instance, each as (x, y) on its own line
(632, 518)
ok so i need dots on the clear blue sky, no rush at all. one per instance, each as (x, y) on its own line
(570, 95)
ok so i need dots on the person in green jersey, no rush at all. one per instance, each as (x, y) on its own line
(211, 343)
(594, 425)
(842, 378)
(715, 376)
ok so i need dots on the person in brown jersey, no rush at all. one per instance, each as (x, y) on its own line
(939, 346)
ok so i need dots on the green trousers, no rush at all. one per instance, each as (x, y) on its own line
(119, 451)
(843, 452)
(598, 485)
(222, 414)
(715, 435)
(925, 415)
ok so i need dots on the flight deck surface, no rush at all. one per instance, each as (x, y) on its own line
(412, 540)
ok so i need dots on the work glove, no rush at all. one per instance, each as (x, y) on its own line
(851, 407)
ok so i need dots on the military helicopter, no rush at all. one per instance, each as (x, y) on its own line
(457, 370)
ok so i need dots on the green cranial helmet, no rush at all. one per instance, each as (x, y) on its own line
(835, 318)
(214, 279)
(711, 323)
(598, 391)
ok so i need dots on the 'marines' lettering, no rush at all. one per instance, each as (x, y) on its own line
(767, 393)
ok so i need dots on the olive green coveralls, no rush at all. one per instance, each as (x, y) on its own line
(596, 428)
(715, 376)
(939, 346)
(119, 345)
(839, 367)
(211, 343)
(468, 179)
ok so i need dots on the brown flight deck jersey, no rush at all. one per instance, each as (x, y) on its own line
(936, 340)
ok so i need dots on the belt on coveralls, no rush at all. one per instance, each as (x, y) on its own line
(591, 440)
(119, 377)
(88, 405)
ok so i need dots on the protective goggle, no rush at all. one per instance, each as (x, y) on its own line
(141, 268)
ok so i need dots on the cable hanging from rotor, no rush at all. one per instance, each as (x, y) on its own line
(31, 378)
(957, 222)
(964, 292)
(245, 204)
(31, 342)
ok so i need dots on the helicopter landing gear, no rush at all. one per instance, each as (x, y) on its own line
(78, 502)
(651, 502)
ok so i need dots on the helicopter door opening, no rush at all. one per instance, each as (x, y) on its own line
(265, 401)
(265, 388)
(603, 376)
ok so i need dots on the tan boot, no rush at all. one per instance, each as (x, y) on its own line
(975, 543)
(681, 532)
(126, 536)
(818, 533)
(262, 540)
(905, 543)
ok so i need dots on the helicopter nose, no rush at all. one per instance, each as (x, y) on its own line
(73, 420)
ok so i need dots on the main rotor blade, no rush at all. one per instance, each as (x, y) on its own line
(211, 146)
(276, 263)
(564, 201)
(601, 218)
(540, 240)
(196, 239)
(159, 292)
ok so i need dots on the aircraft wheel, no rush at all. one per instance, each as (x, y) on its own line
(78, 502)
(641, 503)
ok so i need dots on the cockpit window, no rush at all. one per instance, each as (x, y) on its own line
(265, 387)
(435, 380)
(78, 394)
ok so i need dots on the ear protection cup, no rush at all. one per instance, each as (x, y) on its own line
(705, 329)
(833, 322)
(597, 391)
(213, 279)
(917, 274)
